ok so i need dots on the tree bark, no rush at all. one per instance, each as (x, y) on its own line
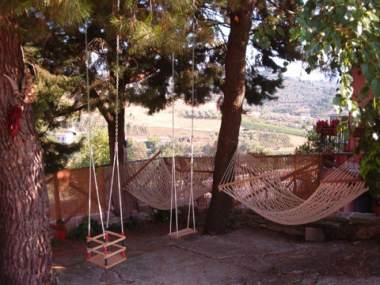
(234, 92)
(25, 253)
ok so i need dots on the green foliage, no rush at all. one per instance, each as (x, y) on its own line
(132, 223)
(341, 35)
(370, 169)
(100, 148)
(255, 124)
(312, 144)
(181, 148)
(136, 150)
(262, 142)
(370, 144)
(52, 110)
(149, 35)
(209, 149)
(161, 216)
(81, 231)
(57, 155)
(33, 20)
(152, 145)
(273, 21)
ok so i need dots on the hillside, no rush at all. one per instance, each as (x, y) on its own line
(275, 127)
(299, 103)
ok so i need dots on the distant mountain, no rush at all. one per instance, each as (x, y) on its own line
(299, 104)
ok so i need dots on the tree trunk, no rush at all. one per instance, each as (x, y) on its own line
(128, 201)
(25, 253)
(234, 92)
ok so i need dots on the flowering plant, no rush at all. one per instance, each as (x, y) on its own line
(326, 128)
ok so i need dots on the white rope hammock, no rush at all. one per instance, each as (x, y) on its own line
(271, 190)
(151, 180)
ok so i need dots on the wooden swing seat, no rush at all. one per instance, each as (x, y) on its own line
(106, 250)
(182, 233)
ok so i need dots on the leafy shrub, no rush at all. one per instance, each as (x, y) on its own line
(81, 231)
(161, 216)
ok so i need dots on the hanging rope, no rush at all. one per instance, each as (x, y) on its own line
(173, 195)
(191, 202)
(191, 210)
(116, 163)
(92, 171)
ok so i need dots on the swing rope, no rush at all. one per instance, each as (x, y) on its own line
(92, 171)
(191, 206)
(191, 198)
(173, 196)
(116, 163)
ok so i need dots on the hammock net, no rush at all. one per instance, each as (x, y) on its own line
(291, 190)
(150, 180)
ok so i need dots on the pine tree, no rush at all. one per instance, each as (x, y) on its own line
(149, 35)
(266, 24)
(25, 254)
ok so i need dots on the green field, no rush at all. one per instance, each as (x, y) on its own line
(256, 124)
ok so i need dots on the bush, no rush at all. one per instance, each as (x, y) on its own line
(370, 169)
(100, 148)
(161, 216)
(81, 231)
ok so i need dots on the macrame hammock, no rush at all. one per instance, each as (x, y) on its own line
(150, 181)
(291, 190)
(106, 249)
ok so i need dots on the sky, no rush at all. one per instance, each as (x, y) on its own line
(296, 70)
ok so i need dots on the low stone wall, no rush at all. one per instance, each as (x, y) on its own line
(341, 226)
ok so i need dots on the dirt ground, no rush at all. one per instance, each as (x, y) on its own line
(243, 256)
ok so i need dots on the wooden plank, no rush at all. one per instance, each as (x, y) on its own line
(116, 234)
(114, 242)
(95, 240)
(109, 253)
(95, 248)
(95, 237)
(111, 262)
(113, 253)
(102, 243)
(182, 233)
(97, 252)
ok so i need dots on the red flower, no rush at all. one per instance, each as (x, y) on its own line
(326, 128)
(321, 126)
